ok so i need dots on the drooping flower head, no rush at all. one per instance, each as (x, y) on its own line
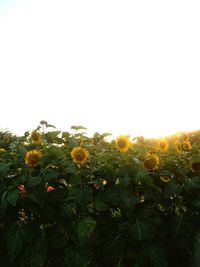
(163, 145)
(123, 143)
(36, 137)
(178, 147)
(151, 161)
(79, 155)
(183, 146)
(186, 145)
(32, 158)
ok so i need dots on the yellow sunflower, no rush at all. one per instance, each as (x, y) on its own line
(123, 143)
(186, 145)
(79, 155)
(36, 137)
(151, 161)
(178, 146)
(163, 145)
(32, 158)
(165, 179)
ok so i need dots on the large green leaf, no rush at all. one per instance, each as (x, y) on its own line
(33, 181)
(14, 241)
(86, 227)
(82, 195)
(4, 201)
(157, 256)
(38, 254)
(52, 137)
(76, 258)
(12, 197)
(110, 196)
(172, 188)
(143, 177)
(4, 168)
(100, 206)
(142, 230)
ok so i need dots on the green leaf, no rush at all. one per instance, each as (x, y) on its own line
(157, 256)
(71, 168)
(142, 231)
(110, 196)
(56, 240)
(83, 195)
(54, 152)
(172, 188)
(100, 206)
(69, 209)
(4, 168)
(33, 197)
(44, 123)
(51, 126)
(12, 197)
(51, 136)
(106, 134)
(76, 128)
(76, 258)
(75, 180)
(14, 241)
(38, 254)
(33, 181)
(65, 135)
(143, 177)
(86, 227)
(4, 202)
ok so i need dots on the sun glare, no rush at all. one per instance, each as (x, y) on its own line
(128, 68)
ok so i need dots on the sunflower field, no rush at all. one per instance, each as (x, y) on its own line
(67, 199)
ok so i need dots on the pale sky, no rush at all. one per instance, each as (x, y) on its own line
(124, 67)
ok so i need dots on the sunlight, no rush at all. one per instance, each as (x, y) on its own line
(111, 67)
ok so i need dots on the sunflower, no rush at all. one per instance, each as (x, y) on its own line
(123, 143)
(195, 166)
(151, 161)
(32, 158)
(186, 145)
(163, 145)
(165, 179)
(178, 146)
(79, 155)
(36, 137)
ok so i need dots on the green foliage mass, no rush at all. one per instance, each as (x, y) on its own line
(111, 211)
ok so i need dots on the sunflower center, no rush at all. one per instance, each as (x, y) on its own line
(33, 159)
(162, 145)
(150, 163)
(80, 155)
(121, 143)
(196, 166)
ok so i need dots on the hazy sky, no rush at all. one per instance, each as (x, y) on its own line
(130, 67)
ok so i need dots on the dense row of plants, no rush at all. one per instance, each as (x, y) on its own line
(72, 200)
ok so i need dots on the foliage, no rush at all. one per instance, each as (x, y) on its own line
(133, 204)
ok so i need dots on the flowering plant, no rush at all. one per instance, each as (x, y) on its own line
(67, 199)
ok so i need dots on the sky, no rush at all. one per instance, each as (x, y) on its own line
(123, 67)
